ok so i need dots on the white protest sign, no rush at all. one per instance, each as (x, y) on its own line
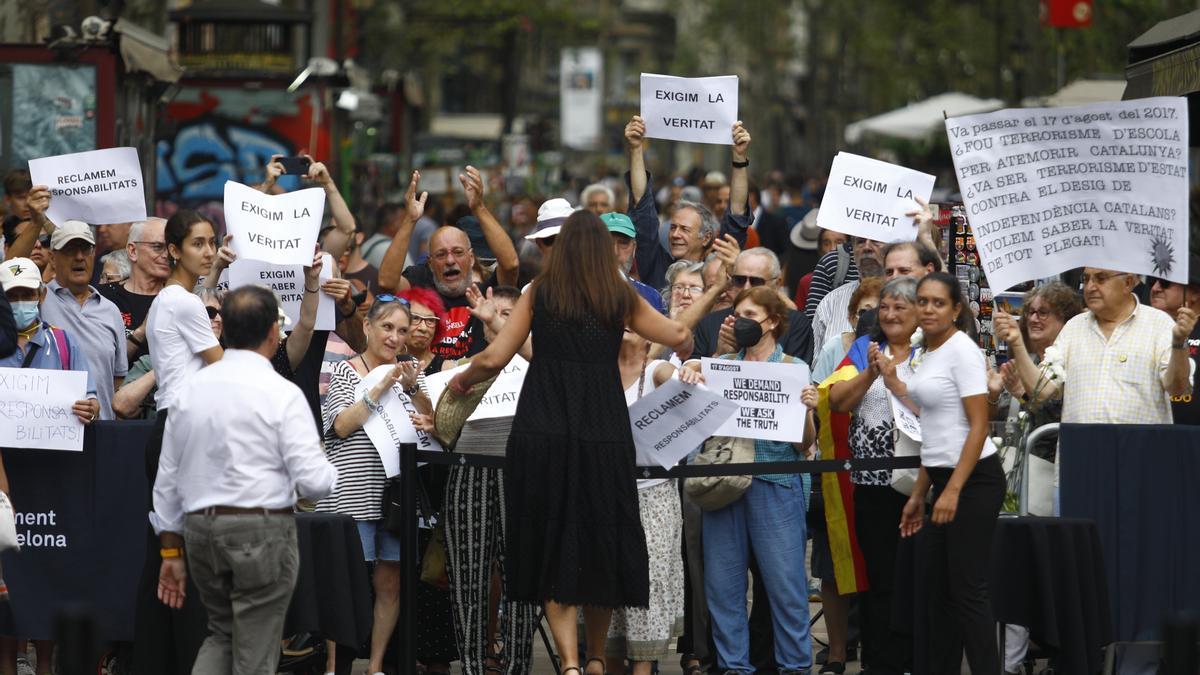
(672, 420)
(288, 283)
(100, 187)
(767, 394)
(906, 420)
(280, 229)
(865, 197)
(501, 398)
(436, 383)
(690, 109)
(1051, 189)
(35, 408)
(392, 425)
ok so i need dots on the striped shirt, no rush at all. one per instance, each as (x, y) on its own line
(833, 314)
(822, 281)
(359, 490)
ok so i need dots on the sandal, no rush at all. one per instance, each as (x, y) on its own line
(603, 664)
(574, 668)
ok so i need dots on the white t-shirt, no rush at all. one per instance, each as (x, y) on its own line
(177, 330)
(631, 397)
(943, 378)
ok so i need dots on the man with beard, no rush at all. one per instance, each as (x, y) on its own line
(147, 249)
(624, 245)
(448, 270)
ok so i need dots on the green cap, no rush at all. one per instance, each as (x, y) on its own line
(619, 223)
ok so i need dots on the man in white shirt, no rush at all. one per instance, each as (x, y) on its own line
(239, 444)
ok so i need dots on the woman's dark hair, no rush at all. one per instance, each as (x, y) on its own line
(248, 313)
(581, 279)
(965, 321)
(770, 300)
(179, 225)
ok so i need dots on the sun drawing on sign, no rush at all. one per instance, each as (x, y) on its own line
(1162, 255)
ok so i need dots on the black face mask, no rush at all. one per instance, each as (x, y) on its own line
(746, 332)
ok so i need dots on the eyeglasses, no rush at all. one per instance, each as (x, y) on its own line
(446, 253)
(213, 312)
(1099, 277)
(685, 289)
(743, 279)
(158, 247)
(1165, 284)
(430, 321)
(388, 297)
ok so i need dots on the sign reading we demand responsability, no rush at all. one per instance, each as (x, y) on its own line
(1052, 189)
(690, 109)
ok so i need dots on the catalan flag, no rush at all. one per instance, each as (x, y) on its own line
(849, 567)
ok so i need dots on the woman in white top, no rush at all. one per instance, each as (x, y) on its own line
(181, 342)
(644, 634)
(949, 390)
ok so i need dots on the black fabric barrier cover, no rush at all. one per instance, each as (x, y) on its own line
(1139, 484)
(684, 471)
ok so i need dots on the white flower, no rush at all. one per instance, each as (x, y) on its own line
(1057, 372)
(918, 338)
(999, 442)
(1022, 415)
(1052, 356)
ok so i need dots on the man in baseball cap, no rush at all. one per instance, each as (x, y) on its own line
(625, 245)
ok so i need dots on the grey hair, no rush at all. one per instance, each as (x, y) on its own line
(709, 227)
(683, 267)
(135, 230)
(121, 258)
(205, 293)
(593, 189)
(773, 267)
(904, 288)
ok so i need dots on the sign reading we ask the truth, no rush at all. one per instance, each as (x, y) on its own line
(690, 109)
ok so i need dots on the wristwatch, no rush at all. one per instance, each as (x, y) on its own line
(740, 165)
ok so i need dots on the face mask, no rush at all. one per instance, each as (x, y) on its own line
(24, 313)
(746, 332)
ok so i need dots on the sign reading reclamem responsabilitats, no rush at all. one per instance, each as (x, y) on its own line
(1052, 189)
(690, 109)
(672, 420)
(767, 395)
(100, 187)
(865, 197)
(35, 408)
(280, 229)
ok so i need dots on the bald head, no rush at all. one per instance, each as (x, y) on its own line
(451, 260)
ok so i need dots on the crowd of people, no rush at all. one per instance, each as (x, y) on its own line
(606, 304)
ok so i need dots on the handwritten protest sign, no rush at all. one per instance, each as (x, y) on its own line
(35, 408)
(280, 229)
(99, 187)
(392, 425)
(672, 420)
(1051, 189)
(690, 109)
(906, 420)
(865, 197)
(767, 394)
(288, 283)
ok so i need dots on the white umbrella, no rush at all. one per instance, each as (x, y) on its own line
(1079, 92)
(923, 119)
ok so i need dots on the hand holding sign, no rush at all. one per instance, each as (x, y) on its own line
(869, 198)
(39, 201)
(635, 133)
(741, 141)
(99, 187)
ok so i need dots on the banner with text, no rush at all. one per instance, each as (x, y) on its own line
(767, 395)
(501, 398)
(690, 109)
(392, 425)
(1051, 189)
(288, 283)
(672, 420)
(280, 229)
(99, 187)
(865, 197)
(35, 408)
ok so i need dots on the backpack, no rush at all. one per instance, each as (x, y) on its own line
(63, 345)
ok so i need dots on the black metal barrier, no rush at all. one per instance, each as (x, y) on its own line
(410, 551)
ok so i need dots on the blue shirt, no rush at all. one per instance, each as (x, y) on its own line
(97, 329)
(771, 451)
(47, 356)
(652, 296)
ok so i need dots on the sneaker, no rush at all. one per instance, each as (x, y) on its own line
(23, 667)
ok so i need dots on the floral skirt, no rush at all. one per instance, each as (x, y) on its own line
(645, 634)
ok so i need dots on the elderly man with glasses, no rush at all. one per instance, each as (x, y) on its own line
(149, 269)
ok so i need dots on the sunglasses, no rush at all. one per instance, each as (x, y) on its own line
(743, 279)
(44, 240)
(388, 297)
(1165, 284)
(213, 312)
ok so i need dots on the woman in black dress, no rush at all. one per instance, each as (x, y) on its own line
(574, 532)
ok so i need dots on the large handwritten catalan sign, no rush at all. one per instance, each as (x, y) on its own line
(280, 229)
(767, 395)
(1051, 189)
(865, 197)
(672, 420)
(288, 283)
(392, 425)
(100, 187)
(690, 109)
(35, 408)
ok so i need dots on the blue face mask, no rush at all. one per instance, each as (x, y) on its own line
(25, 313)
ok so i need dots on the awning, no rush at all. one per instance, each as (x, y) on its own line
(1165, 60)
(920, 120)
(146, 52)
(1079, 92)
(477, 127)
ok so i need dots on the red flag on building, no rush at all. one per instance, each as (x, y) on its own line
(1065, 13)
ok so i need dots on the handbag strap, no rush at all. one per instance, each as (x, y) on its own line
(33, 347)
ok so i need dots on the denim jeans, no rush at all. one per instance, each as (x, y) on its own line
(768, 520)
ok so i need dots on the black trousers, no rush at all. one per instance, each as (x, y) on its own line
(959, 555)
(877, 512)
(165, 640)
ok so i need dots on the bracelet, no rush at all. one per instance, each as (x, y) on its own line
(175, 552)
(1179, 345)
(311, 290)
(740, 165)
(995, 402)
(372, 405)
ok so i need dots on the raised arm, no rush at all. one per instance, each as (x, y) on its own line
(739, 181)
(301, 336)
(344, 227)
(492, 360)
(1178, 378)
(39, 201)
(635, 135)
(391, 270)
(271, 174)
(508, 265)
(225, 257)
(1032, 379)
